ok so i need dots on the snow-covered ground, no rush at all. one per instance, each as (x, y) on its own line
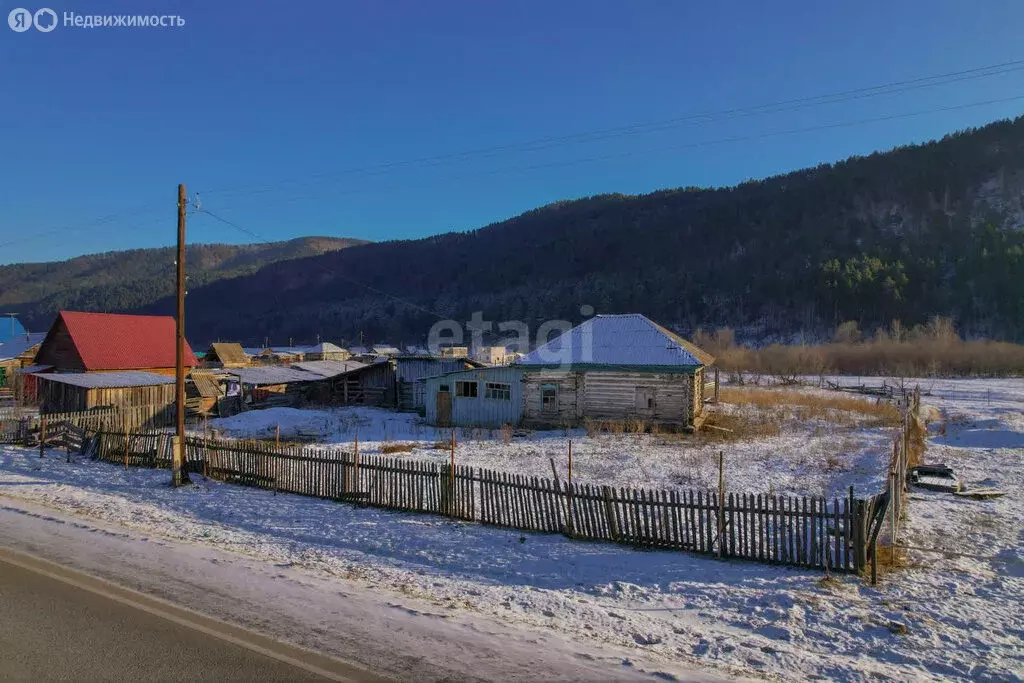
(943, 617)
(809, 457)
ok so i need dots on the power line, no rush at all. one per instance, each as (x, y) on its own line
(667, 148)
(234, 225)
(102, 220)
(537, 144)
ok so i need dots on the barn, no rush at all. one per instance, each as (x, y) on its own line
(615, 368)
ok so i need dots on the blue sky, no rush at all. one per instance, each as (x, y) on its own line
(265, 111)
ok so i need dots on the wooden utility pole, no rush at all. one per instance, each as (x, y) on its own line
(179, 476)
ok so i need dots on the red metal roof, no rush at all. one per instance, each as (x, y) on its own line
(109, 341)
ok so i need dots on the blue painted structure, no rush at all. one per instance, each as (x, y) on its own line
(489, 407)
(10, 328)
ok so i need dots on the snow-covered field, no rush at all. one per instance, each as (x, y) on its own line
(944, 617)
(808, 457)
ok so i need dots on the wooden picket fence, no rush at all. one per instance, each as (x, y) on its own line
(838, 534)
(798, 531)
(885, 511)
(17, 427)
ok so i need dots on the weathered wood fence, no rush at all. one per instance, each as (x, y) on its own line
(886, 510)
(799, 531)
(27, 429)
(838, 534)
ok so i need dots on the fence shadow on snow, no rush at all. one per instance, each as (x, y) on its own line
(812, 532)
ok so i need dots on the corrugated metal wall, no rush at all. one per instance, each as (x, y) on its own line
(408, 372)
(480, 411)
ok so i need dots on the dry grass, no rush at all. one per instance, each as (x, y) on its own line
(890, 559)
(397, 448)
(916, 443)
(925, 350)
(806, 406)
(632, 425)
(442, 445)
(757, 424)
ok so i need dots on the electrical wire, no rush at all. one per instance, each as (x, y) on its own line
(538, 144)
(660, 149)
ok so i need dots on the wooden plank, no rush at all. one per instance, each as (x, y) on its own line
(699, 512)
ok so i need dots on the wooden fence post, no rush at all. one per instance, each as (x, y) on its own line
(42, 436)
(721, 502)
(177, 445)
(277, 436)
(609, 511)
(125, 446)
(571, 503)
(355, 467)
(451, 479)
(161, 445)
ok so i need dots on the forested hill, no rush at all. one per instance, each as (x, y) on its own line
(123, 280)
(905, 234)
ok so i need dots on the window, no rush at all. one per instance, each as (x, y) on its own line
(466, 389)
(502, 392)
(549, 398)
(444, 389)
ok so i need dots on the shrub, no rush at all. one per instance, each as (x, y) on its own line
(396, 448)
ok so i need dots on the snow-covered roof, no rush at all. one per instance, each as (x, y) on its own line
(618, 340)
(288, 350)
(273, 374)
(325, 347)
(385, 350)
(329, 368)
(358, 350)
(109, 380)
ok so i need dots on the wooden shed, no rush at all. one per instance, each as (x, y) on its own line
(409, 370)
(271, 385)
(78, 391)
(480, 397)
(226, 355)
(615, 368)
(372, 384)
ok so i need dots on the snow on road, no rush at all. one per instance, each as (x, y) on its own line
(944, 617)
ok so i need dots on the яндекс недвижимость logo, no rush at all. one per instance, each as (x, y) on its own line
(21, 19)
(45, 20)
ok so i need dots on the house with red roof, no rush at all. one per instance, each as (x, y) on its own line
(107, 342)
(107, 360)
